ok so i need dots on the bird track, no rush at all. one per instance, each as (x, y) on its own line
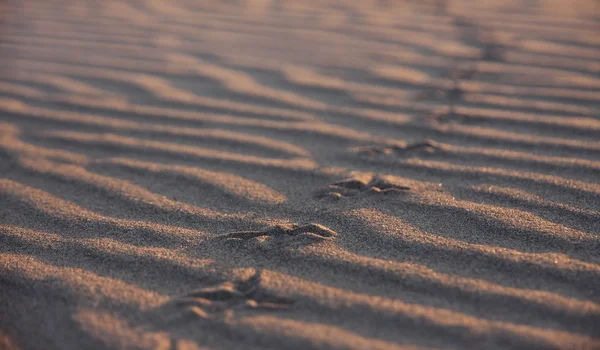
(426, 146)
(283, 236)
(224, 299)
(355, 187)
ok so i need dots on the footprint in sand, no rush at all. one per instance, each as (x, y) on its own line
(452, 94)
(281, 236)
(428, 146)
(224, 299)
(356, 187)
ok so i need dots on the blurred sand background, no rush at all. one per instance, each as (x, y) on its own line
(299, 174)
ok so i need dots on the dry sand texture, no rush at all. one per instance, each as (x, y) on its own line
(299, 174)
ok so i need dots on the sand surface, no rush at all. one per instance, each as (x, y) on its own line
(299, 174)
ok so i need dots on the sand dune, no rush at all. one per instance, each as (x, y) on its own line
(279, 174)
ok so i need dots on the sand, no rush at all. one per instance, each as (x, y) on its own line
(299, 174)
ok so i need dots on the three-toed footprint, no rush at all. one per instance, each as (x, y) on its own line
(355, 187)
(223, 299)
(281, 236)
(428, 146)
